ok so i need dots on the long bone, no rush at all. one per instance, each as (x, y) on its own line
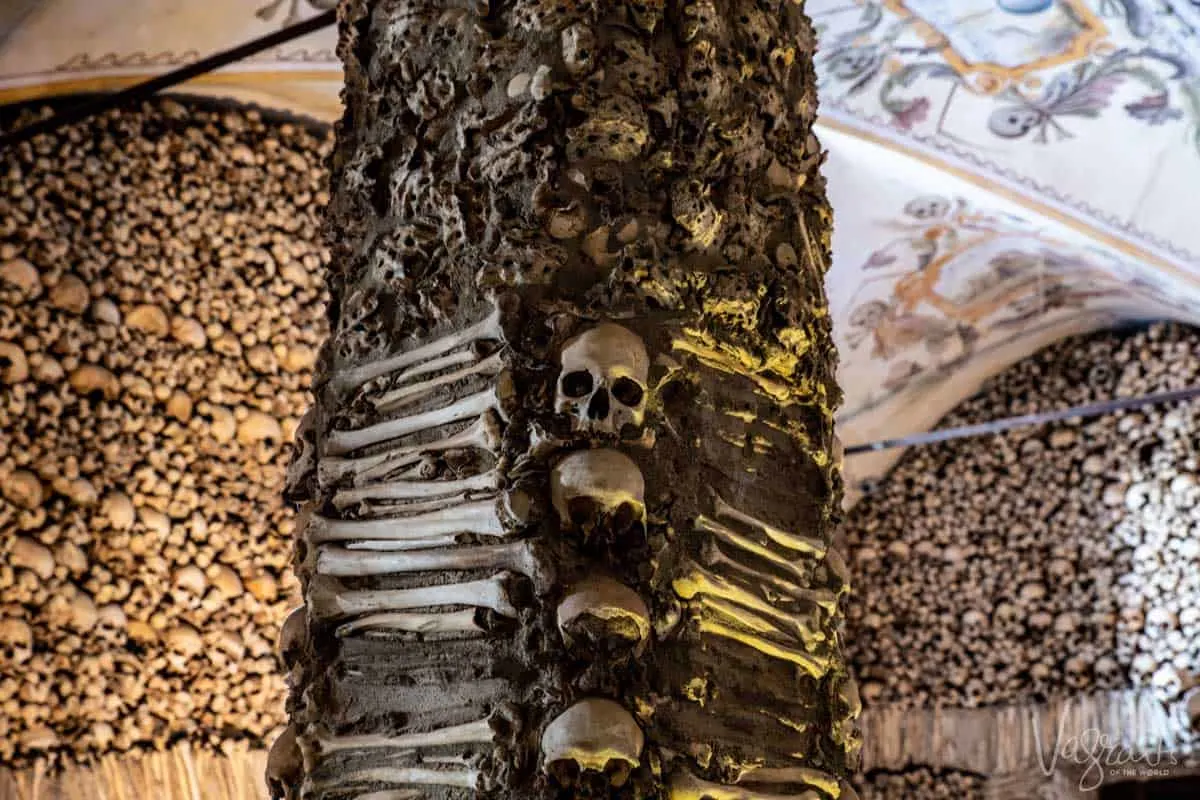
(487, 328)
(392, 794)
(717, 561)
(685, 786)
(413, 622)
(792, 541)
(339, 443)
(818, 779)
(735, 539)
(343, 562)
(442, 526)
(699, 581)
(815, 665)
(329, 600)
(420, 490)
(478, 732)
(402, 396)
(460, 777)
(757, 623)
(482, 434)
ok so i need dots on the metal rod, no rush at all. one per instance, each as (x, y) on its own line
(1008, 423)
(140, 91)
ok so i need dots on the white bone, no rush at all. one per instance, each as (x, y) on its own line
(487, 328)
(461, 777)
(419, 490)
(392, 794)
(607, 353)
(291, 634)
(457, 358)
(477, 732)
(285, 763)
(818, 779)
(402, 396)
(412, 622)
(608, 477)
(607, 600)
(699, 581)
(685, 786)
(473, 405)
(801, 544)
(329, 600)
(482, 434)
(592, 733)
(480, 517)
(824, 599)
(342, 562)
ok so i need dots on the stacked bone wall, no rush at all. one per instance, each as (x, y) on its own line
(160, 313)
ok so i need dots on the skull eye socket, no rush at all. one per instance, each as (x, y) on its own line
(627, 391)
(577, 384)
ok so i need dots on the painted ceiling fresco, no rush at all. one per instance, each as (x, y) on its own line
(1004, 172)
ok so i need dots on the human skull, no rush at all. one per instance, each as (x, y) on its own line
(591, 486)
(1166, 682)
(927, 207)
(600, 609)
(285, 766)
(1108, 672)
(603, 379)
(1159, 621)
(1076, 671)
(1013, 122)
(594, 735)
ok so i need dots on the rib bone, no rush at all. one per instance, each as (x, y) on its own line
(792, 541)
(473, 405)
(343, 562)
(686, 786)
(441, 526)
(402, 396)
(483, 434)
(487, 328)
(477, 732)
(329, 600)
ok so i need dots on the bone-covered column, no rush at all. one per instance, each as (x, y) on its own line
(569, 483)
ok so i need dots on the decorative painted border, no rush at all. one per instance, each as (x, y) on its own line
(880, 131)
(1094, 31)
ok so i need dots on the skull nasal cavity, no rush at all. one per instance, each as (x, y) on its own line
(577, 384)
(598, 407)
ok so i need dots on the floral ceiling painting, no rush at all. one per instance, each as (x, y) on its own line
(1004, 172)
